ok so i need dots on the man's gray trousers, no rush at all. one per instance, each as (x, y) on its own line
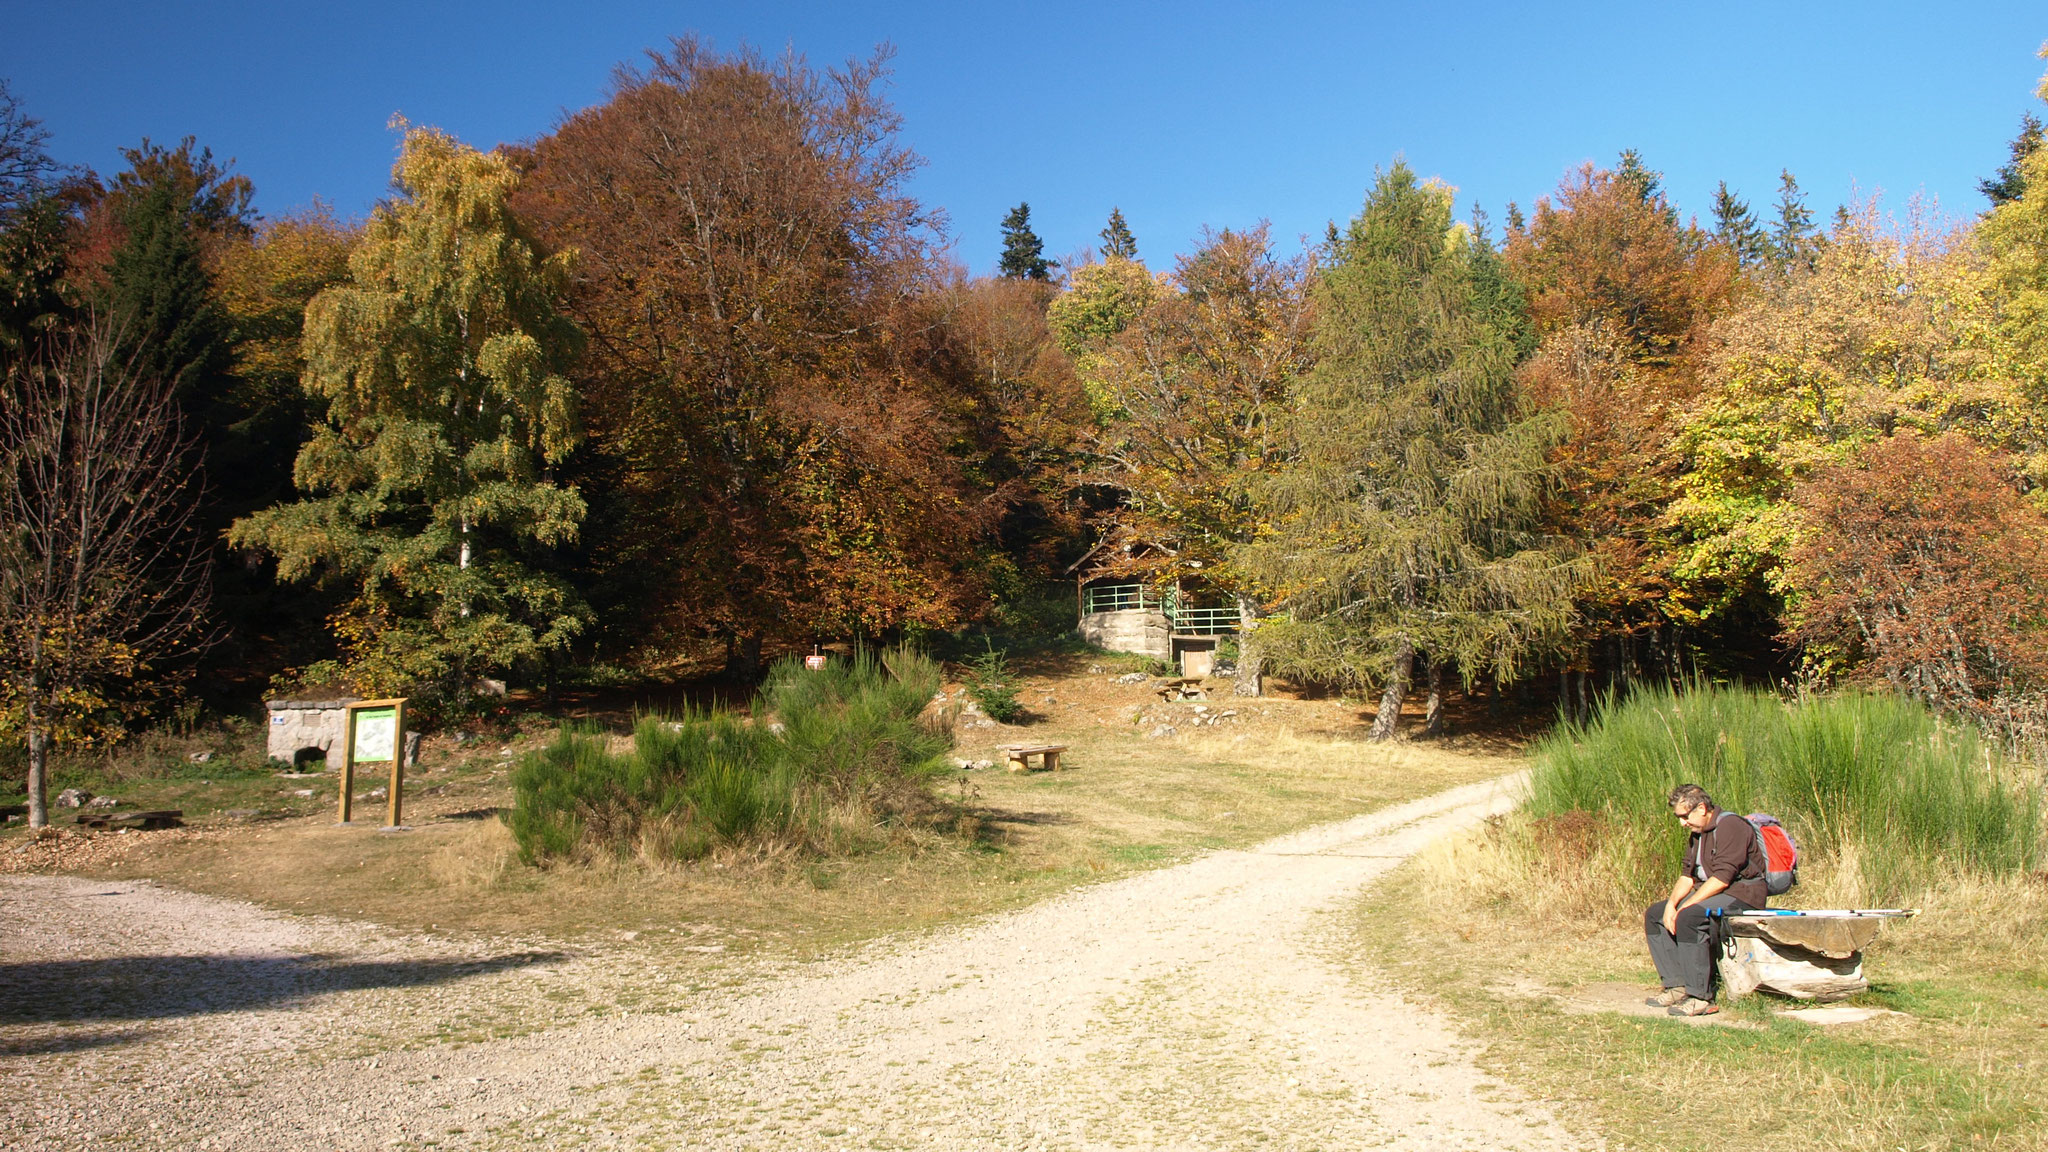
(1687, 959)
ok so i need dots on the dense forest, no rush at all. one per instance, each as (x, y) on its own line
(694, 377)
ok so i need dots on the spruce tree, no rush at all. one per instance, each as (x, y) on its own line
(2010, 183)
(1023, 252)
(1793, 240)
(430, 486)
(1407, 523)
(1117, 240)
(1646, 182)
(1736, 228)
(162, 301)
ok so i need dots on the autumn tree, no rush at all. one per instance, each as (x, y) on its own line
(1023, 256)
(1622, 297)
(36, 221)
(1190, 374)
(429, 488)
(102, 578)
(262, 417)
(779, 461)
(1882, 333)
(1408, 524)
(1918, 563)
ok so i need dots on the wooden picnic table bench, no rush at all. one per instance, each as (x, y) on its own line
(1020, 756)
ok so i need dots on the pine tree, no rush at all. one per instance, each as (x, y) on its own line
(2010, 183)
(1647, 183)
(1792, 240)
(161, 298)
(1117, 240)
(1023, 252)
(429, 487)
(1736, 228)
(1406, 525)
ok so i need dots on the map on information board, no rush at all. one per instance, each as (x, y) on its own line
(376, 734)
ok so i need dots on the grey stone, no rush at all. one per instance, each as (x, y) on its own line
(73, 798)
(200, 758)
(103, 802)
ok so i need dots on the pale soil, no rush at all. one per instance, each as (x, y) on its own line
(1207, 1005)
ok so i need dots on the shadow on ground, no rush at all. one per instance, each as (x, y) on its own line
(169, 987)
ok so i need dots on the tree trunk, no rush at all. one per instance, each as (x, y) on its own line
(1250, 664)
(1433, 712)
(1388, 722)
(38, 774)
(743, 657)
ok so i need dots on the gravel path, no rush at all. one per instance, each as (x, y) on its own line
(1203, 1006)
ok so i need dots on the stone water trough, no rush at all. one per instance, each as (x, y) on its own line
(307, 730)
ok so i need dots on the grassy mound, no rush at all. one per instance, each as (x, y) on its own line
(1887, 801)
(824, 756)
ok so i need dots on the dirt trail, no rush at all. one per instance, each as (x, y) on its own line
(1202, 1006)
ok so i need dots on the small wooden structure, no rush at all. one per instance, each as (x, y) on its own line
(374, 733)
(1019, 756)
(1813, 955)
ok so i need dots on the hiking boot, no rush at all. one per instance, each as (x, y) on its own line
(1666, 998)
(1693, 1006)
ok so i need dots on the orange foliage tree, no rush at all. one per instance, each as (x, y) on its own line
(1921, 564)
(1622, 295)
(780, 460)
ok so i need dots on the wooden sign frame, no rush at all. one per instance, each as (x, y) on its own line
(396, 803)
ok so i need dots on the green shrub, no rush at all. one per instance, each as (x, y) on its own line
(848, 740)
(1871, 777)
(991, 685)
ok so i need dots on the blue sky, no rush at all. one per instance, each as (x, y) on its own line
(1183, 114)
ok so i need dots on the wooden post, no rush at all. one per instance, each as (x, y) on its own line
(397, 766)
(348, 763)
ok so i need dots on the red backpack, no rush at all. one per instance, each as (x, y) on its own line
(1780, 852)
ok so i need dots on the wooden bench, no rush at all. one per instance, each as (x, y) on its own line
(1020, 756)
(1182, 688)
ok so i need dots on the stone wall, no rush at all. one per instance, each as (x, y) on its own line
(1144, 633)
(296, 725)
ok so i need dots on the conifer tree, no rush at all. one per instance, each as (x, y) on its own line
(1023, 252)
(429, 489)
(1406, 525)
(2010, 182)
(161, 298)
(1736, 228)
(1117, 240)
(1793, 240)
(1647, 183)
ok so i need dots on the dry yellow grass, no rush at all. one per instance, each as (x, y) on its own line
(1126, 801)
(1515, 927)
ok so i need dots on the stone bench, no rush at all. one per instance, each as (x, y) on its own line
(1816, 955)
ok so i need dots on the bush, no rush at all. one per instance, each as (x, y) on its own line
(991, 685)
(848, 741)
(1873, 779)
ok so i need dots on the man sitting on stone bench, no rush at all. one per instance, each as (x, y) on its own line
(1722, 869)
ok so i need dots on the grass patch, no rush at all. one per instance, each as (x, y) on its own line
(825, 754)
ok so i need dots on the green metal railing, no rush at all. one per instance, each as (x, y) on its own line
(1138, 598)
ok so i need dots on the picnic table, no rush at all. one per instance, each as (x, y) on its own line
(1182, 688)
(1019, 756)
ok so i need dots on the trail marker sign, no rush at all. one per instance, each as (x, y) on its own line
(374, 733)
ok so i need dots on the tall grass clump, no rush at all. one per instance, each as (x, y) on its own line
(1870, 780)
(823, 751)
